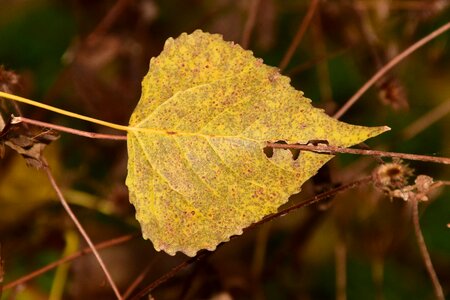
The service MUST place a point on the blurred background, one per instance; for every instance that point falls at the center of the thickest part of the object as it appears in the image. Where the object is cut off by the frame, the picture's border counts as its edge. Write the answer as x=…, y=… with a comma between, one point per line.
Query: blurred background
x=89, y=57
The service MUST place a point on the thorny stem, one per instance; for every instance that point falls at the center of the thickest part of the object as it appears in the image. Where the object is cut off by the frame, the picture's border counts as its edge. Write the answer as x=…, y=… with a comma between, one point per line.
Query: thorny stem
x=87, y=250
x=248, y=28
x=388, y=67
x=88, y=134
x=328, y=149
x=438, y=292
x=299, y=35
x=81, y=229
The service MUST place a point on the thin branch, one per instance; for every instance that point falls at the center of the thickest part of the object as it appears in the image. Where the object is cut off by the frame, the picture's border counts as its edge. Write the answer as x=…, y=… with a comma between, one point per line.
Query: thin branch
x=145, y=291
x=427, y=120
x=250, y=24
x=108, y=20
x=138, y=279
x=310, y=63
x=388, y=67
x=88, y=134
x=340, y=252
x=299, y=35
x=87, y=250
x=313, y=200
x=438, y=292
x=81, y=229
x=328, y=149
x=2, y=270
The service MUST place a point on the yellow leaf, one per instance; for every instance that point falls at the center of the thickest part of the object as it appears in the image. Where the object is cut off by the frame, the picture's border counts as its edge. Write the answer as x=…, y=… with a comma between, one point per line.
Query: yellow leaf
x=197, y=172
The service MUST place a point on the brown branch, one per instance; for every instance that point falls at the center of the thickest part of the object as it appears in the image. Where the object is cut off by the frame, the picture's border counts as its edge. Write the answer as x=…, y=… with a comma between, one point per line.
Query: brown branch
x=88, y=134
x=108, y=20
x=81, y=230
x=250, y=23
x=397, y=59
x=2, y=270
x=299, y=35
x=87, y=250
x=313, y=200
x=340, y=254
x=145, y=291
x=438, y=292
x=427, y=120
x=138, y=279
x=328, y=149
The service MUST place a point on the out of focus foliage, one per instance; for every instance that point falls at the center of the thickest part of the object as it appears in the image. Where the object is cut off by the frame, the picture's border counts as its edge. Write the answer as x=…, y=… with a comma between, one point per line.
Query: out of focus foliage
x=90, y=57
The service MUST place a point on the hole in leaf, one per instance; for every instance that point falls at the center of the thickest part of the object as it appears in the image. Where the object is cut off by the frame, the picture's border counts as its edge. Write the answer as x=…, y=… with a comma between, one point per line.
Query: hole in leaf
x=268, y=151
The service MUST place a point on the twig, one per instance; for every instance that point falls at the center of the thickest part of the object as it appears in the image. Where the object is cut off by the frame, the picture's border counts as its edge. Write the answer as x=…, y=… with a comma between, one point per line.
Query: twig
x=310, y=63
x=333, y=150
x=87, y=250
x=426, y=120
x=145, y=291
x=299, y=35
x=138, y=279
x=88, y=134
x=340, y=252
x=108, y=20
x=388, y=67
x=248, y=28
x=438, y=292
x=312, y=200
x=81, y=229
x=2, y=271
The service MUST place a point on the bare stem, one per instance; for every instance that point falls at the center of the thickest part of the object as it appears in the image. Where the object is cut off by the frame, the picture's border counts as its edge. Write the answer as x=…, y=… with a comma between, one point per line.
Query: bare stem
x=108, y=20
x=340, y=252
x=81, y=229
x=438, y=292
x=88, y=134
x=389, y=66
x=334, y=149
x=138, y=279
x=299, y=35
x=87, y=250
x=170, y=274
x=313, y=200
x=248, y=28
x=427, y=120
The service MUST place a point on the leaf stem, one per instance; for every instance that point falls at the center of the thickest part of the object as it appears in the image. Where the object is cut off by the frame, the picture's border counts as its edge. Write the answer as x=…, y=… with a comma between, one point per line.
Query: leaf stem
x=62, y=111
